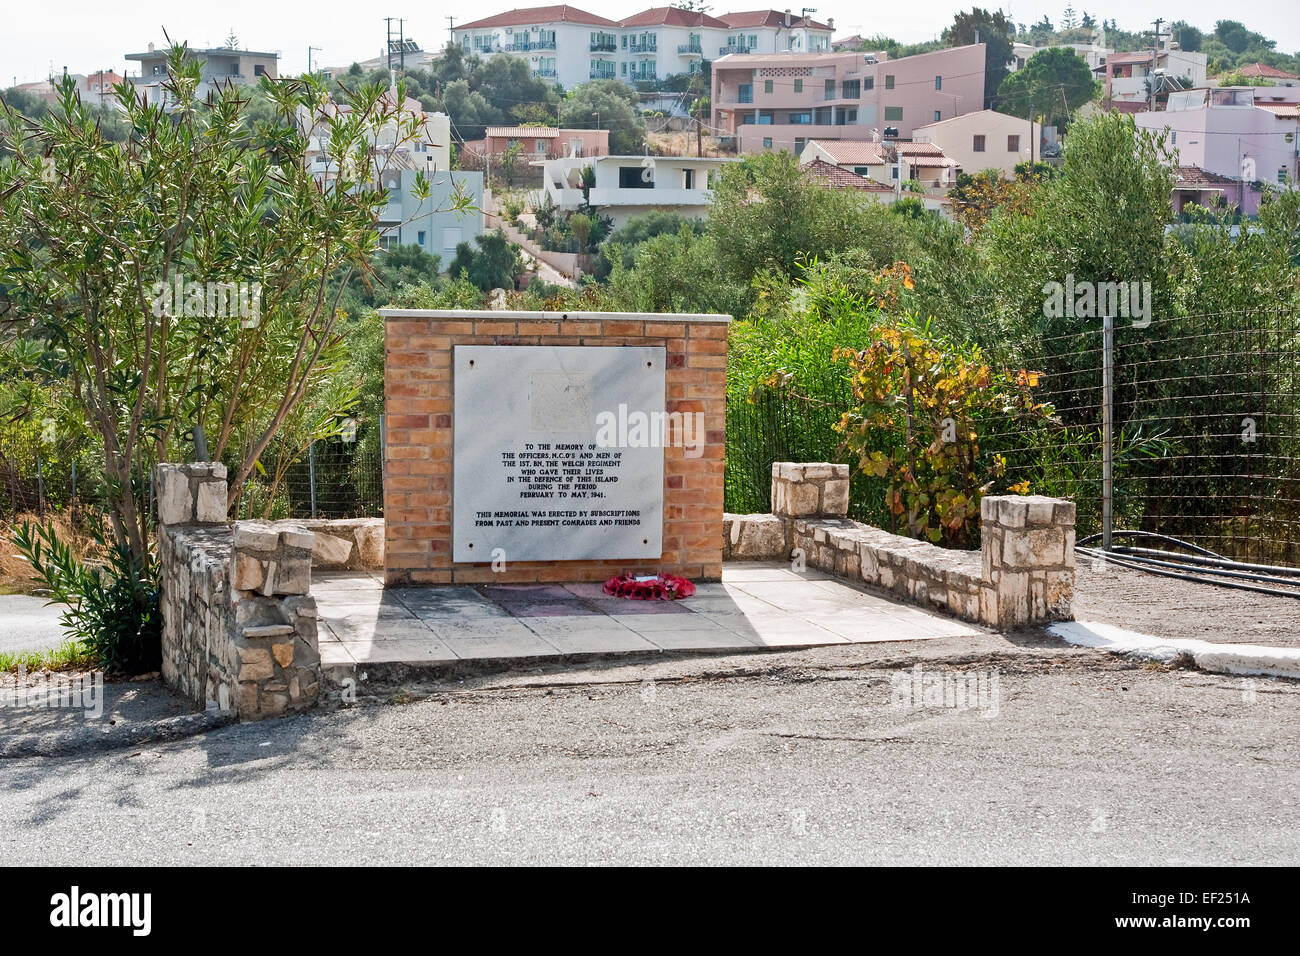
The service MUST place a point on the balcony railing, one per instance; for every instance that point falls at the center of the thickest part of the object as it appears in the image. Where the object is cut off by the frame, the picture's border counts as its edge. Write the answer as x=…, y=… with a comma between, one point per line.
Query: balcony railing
x=596, y=74
x=689, y=49
x=546, y=73
x=524, y=46
x=732, y=48
x=604, y=46
x=635, y=47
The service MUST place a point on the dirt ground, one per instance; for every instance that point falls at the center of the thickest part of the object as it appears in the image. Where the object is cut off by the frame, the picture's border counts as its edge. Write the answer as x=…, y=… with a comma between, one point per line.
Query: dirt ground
x=1168, y=607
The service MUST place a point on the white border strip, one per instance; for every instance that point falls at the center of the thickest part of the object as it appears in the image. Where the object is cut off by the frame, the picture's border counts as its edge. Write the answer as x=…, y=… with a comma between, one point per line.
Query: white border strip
x=1218, y=658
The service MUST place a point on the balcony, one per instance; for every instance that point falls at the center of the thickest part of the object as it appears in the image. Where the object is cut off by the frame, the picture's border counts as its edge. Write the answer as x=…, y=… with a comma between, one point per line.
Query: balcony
x=526, y=46
x=598, y=74
x=604, y=46
x=546, y=73
x=642, y=48
x=729, y=49
x=689, y=49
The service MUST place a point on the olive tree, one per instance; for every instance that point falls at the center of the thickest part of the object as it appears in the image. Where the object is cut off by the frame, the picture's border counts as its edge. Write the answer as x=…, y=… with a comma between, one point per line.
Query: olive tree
x=190, y=275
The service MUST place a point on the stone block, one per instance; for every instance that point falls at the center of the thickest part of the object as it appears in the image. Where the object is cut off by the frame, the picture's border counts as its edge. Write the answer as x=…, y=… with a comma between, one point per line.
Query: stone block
x=255, y=536
x=255, y=664
x=835, y=497
x=249, y=572
x=370, y=544
x=172, y=488
x=330, y=550
x=210, y=505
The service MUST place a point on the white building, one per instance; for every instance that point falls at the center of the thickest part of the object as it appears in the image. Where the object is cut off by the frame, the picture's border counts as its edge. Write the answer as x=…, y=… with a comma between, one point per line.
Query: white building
x=1094, y=54
x=1129, y=77
x=628, y=186
x=561, y=43
x=774, y=31
x=432, y=223
x=569, y=46
x=220, y=65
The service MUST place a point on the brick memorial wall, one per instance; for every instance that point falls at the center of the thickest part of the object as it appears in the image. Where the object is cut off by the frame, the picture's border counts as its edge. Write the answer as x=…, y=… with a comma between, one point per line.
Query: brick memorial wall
x=421, y=459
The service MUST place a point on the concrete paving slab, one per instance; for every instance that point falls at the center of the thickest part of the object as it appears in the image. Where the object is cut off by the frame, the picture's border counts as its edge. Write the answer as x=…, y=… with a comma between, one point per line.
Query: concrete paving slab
x=421, y=650
x=755, y=606
x=503, y=648
x=605, y=641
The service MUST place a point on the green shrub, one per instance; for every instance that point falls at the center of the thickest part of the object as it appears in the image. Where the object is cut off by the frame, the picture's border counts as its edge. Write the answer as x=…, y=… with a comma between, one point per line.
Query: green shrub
x=112, y=610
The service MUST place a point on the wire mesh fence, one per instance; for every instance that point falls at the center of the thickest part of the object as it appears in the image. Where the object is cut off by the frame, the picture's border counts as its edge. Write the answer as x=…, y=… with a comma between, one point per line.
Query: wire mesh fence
x=1204, y=437
x=338, y=478
x=1205, y=431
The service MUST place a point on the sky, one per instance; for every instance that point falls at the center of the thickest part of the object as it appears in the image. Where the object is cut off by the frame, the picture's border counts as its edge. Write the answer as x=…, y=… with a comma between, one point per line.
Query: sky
x=89, y=35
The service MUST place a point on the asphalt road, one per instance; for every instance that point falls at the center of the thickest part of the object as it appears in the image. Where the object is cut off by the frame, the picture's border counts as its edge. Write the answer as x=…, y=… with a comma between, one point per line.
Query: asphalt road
x=805, y=757
x=27, y=624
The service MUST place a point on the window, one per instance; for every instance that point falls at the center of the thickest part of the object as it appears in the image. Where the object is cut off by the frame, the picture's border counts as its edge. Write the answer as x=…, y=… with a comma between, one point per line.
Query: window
x=889, y=81
x=851, y=89
x=894, y=113
x=767, y=142
x=798, y=86
x=868, y=83
x=625, y=41
x=1013, y=144
x=688, y=179
x=767, y=86
x=799, y=143
x=978, y=144
x=1281, y=174
x=450, y=237
x=745, y=93
x=822, y=116
x=862, y=171
x=259, y=70
x=938, y=82
x=937, y=116
x=539, y=146
x=829, y=89
x=893, y=171
x=753, y=41
x=420, y=237
x=630, y=177
x=624, y=65
x=803, y=118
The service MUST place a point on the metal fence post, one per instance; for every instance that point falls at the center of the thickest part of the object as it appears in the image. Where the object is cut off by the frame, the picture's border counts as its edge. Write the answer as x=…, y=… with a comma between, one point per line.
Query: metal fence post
x=40, y=489
x=311, y=475
x=1107, y=425
x=383, y=460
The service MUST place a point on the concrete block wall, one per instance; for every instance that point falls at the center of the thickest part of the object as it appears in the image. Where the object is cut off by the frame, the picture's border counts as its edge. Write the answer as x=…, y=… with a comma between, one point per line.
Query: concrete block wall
x=420, y=428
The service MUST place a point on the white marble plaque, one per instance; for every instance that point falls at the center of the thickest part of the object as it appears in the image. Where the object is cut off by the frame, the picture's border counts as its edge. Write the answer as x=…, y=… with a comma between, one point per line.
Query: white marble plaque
x=542, y=469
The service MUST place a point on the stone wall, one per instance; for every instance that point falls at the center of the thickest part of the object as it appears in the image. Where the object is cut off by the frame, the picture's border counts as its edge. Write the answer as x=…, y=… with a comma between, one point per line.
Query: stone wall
x=419, y=438
x=239, y=624
x=1023, y=573
x=346, y=544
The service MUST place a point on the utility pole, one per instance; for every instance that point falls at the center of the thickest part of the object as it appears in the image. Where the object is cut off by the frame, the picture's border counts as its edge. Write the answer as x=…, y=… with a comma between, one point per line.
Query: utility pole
x=1155, y=58
x=309, y=49
x=451, y=30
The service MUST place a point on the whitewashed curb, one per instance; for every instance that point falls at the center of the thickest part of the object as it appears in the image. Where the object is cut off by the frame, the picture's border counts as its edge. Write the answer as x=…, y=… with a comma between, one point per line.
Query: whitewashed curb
x=1218, y=658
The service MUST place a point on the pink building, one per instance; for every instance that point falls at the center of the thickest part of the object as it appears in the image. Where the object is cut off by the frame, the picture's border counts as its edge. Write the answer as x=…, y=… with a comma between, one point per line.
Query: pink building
x=1223, y=133
x=541, y=142
x=782, y=101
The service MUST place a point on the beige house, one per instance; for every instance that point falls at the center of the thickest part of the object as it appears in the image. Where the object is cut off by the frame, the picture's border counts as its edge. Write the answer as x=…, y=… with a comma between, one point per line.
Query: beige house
x=984, y=140
x=886, y=162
